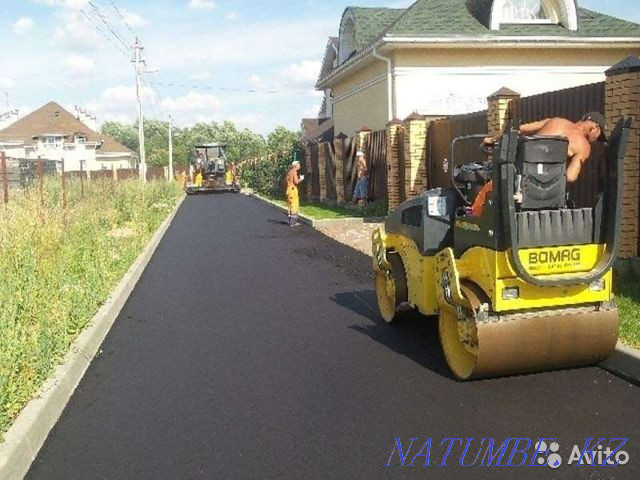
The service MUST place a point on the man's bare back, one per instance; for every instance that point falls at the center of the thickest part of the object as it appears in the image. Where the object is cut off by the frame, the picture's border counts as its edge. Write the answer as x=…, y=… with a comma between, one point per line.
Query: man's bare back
x=580, y=135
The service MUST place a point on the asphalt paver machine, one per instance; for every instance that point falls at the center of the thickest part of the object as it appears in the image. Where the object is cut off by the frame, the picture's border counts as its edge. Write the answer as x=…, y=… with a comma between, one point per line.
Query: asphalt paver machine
x=526, y=286
x=211, y=171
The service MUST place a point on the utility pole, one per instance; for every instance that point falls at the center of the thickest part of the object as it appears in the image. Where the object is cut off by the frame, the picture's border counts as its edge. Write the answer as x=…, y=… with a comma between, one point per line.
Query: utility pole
x=137, y=60
x=170, y=149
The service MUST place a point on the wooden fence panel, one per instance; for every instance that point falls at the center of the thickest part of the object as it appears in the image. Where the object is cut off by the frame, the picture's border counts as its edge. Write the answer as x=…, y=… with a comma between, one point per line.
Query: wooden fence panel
x=315, y=172
x=349, y=166
x=376, y=155
x=440, y=136
x=330, y=172
x=572, y=103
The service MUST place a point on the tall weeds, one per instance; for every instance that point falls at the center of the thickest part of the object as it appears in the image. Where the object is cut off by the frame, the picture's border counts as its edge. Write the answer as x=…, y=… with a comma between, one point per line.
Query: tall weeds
x=57, y=267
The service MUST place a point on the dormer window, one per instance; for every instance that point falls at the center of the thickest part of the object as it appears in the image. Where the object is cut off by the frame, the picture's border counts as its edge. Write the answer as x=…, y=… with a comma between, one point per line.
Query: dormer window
x=347, y=43
x=81, y=139
x=556, y=12
x=525, y=11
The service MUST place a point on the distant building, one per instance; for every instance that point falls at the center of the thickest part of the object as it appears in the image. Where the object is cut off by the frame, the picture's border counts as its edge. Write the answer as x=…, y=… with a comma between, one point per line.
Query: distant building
x=444, y=57
x=53, y=133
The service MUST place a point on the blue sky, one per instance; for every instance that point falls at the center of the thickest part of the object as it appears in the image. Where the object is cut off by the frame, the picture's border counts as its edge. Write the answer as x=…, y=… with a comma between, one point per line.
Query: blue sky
x=50, y=51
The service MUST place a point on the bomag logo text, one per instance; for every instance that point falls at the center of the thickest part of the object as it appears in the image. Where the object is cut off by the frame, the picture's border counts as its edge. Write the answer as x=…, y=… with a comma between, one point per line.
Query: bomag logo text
x=546, y=257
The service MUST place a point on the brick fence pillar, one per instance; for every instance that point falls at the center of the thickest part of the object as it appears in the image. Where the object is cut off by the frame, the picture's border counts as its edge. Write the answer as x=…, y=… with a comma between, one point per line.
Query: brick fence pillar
x=339, y=149
x=393, y=177
x=415, y=148
x=502, y=105
x=323, y=158
x=622, y=99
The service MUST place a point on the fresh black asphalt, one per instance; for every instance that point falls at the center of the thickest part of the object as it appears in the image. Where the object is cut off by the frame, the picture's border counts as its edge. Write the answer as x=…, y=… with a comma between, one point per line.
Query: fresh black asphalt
x=251, y=350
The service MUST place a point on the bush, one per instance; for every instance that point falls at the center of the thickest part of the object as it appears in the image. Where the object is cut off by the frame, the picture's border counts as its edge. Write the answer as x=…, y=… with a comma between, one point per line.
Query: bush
x=379, y=208
x=267, y=175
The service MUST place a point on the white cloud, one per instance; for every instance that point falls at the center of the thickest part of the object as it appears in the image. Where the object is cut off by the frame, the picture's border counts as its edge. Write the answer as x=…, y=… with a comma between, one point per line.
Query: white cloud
x=192, y=102
x=306, y=71
x=252, y=121
x=201, y=76
x=72, y=4
x=23, y=25
x=233, y=15
x=256, y=81
x=79, y=65
x=202, y=5
x=74, y=32
x=6, y=82
x=133, y=19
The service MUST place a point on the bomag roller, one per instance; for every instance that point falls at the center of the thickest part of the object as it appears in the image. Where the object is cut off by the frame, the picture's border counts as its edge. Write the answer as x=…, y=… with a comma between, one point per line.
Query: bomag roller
x=527, y=285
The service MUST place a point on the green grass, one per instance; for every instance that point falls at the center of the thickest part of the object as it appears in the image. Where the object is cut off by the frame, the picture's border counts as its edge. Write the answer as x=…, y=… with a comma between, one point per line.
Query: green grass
x=322, y=211
x=58, y=267
x=628, y=299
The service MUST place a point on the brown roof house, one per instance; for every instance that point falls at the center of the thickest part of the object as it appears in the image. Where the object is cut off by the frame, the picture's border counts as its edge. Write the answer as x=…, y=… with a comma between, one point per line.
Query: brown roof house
x=53, y=133
x=444, y=57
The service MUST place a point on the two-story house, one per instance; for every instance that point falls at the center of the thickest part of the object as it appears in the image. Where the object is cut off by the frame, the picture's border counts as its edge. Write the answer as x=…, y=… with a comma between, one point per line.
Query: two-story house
x=53, y=133
x=444, y=57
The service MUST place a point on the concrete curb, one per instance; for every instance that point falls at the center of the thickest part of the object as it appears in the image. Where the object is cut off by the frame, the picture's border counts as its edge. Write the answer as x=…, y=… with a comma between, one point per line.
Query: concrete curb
x=624, y=363
x=31, y=429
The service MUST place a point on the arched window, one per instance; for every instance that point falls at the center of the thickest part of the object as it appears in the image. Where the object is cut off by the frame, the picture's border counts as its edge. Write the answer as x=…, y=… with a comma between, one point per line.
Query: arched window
x=561, y=12
x=524, y=11
x=347, y=44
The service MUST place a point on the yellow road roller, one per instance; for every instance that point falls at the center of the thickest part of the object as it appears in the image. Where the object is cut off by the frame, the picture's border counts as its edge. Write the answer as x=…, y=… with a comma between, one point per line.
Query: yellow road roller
x=523, y=287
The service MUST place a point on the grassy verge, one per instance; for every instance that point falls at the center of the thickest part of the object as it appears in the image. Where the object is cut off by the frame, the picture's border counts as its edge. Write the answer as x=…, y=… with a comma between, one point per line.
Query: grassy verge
x=321, y=211
x=628, y=299
x=58, y=267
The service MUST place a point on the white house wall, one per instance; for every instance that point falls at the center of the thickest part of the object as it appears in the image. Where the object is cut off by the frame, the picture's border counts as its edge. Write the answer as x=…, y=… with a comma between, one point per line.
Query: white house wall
x=72, y=157
x=456, y=90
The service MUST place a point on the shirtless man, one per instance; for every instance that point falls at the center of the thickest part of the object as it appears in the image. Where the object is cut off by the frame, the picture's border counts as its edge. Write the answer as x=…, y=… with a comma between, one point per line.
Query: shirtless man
x=292, y=181
x=362, y=184
x=581, y=135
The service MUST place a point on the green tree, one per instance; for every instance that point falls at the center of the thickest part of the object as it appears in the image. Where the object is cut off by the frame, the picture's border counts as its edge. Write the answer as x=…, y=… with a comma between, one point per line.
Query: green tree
x=282, y=141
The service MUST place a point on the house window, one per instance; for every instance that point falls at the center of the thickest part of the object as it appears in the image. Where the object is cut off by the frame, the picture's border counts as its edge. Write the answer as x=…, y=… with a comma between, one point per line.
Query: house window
x=52, y=142
x=347, y=43
x=525, y=11
x=81, y=140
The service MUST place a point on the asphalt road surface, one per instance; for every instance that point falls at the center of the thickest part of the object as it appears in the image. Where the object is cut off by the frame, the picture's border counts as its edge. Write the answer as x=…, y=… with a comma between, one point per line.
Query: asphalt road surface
x=251, y=350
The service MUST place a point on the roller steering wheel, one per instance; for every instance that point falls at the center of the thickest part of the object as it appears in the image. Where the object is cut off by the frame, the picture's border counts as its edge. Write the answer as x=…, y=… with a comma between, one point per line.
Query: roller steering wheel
x=486, y=148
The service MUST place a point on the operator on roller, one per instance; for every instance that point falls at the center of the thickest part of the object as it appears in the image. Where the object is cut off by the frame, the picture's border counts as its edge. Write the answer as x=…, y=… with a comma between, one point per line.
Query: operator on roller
x=291, y=193
x=581, y=136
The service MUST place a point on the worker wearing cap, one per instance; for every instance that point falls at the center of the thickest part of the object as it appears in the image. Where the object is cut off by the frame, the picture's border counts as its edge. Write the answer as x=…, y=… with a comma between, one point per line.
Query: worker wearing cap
x=581, y=135
x=361, y=191
x=292, y=181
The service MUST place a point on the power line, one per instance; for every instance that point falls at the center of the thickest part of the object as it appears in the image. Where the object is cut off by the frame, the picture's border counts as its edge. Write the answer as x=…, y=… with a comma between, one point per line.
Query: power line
x=123, y=18
x=109, y=27
x=116, y=46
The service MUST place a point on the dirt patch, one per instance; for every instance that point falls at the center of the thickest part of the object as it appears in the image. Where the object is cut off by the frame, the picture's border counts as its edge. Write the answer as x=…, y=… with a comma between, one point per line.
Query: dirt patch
x=357, y=236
